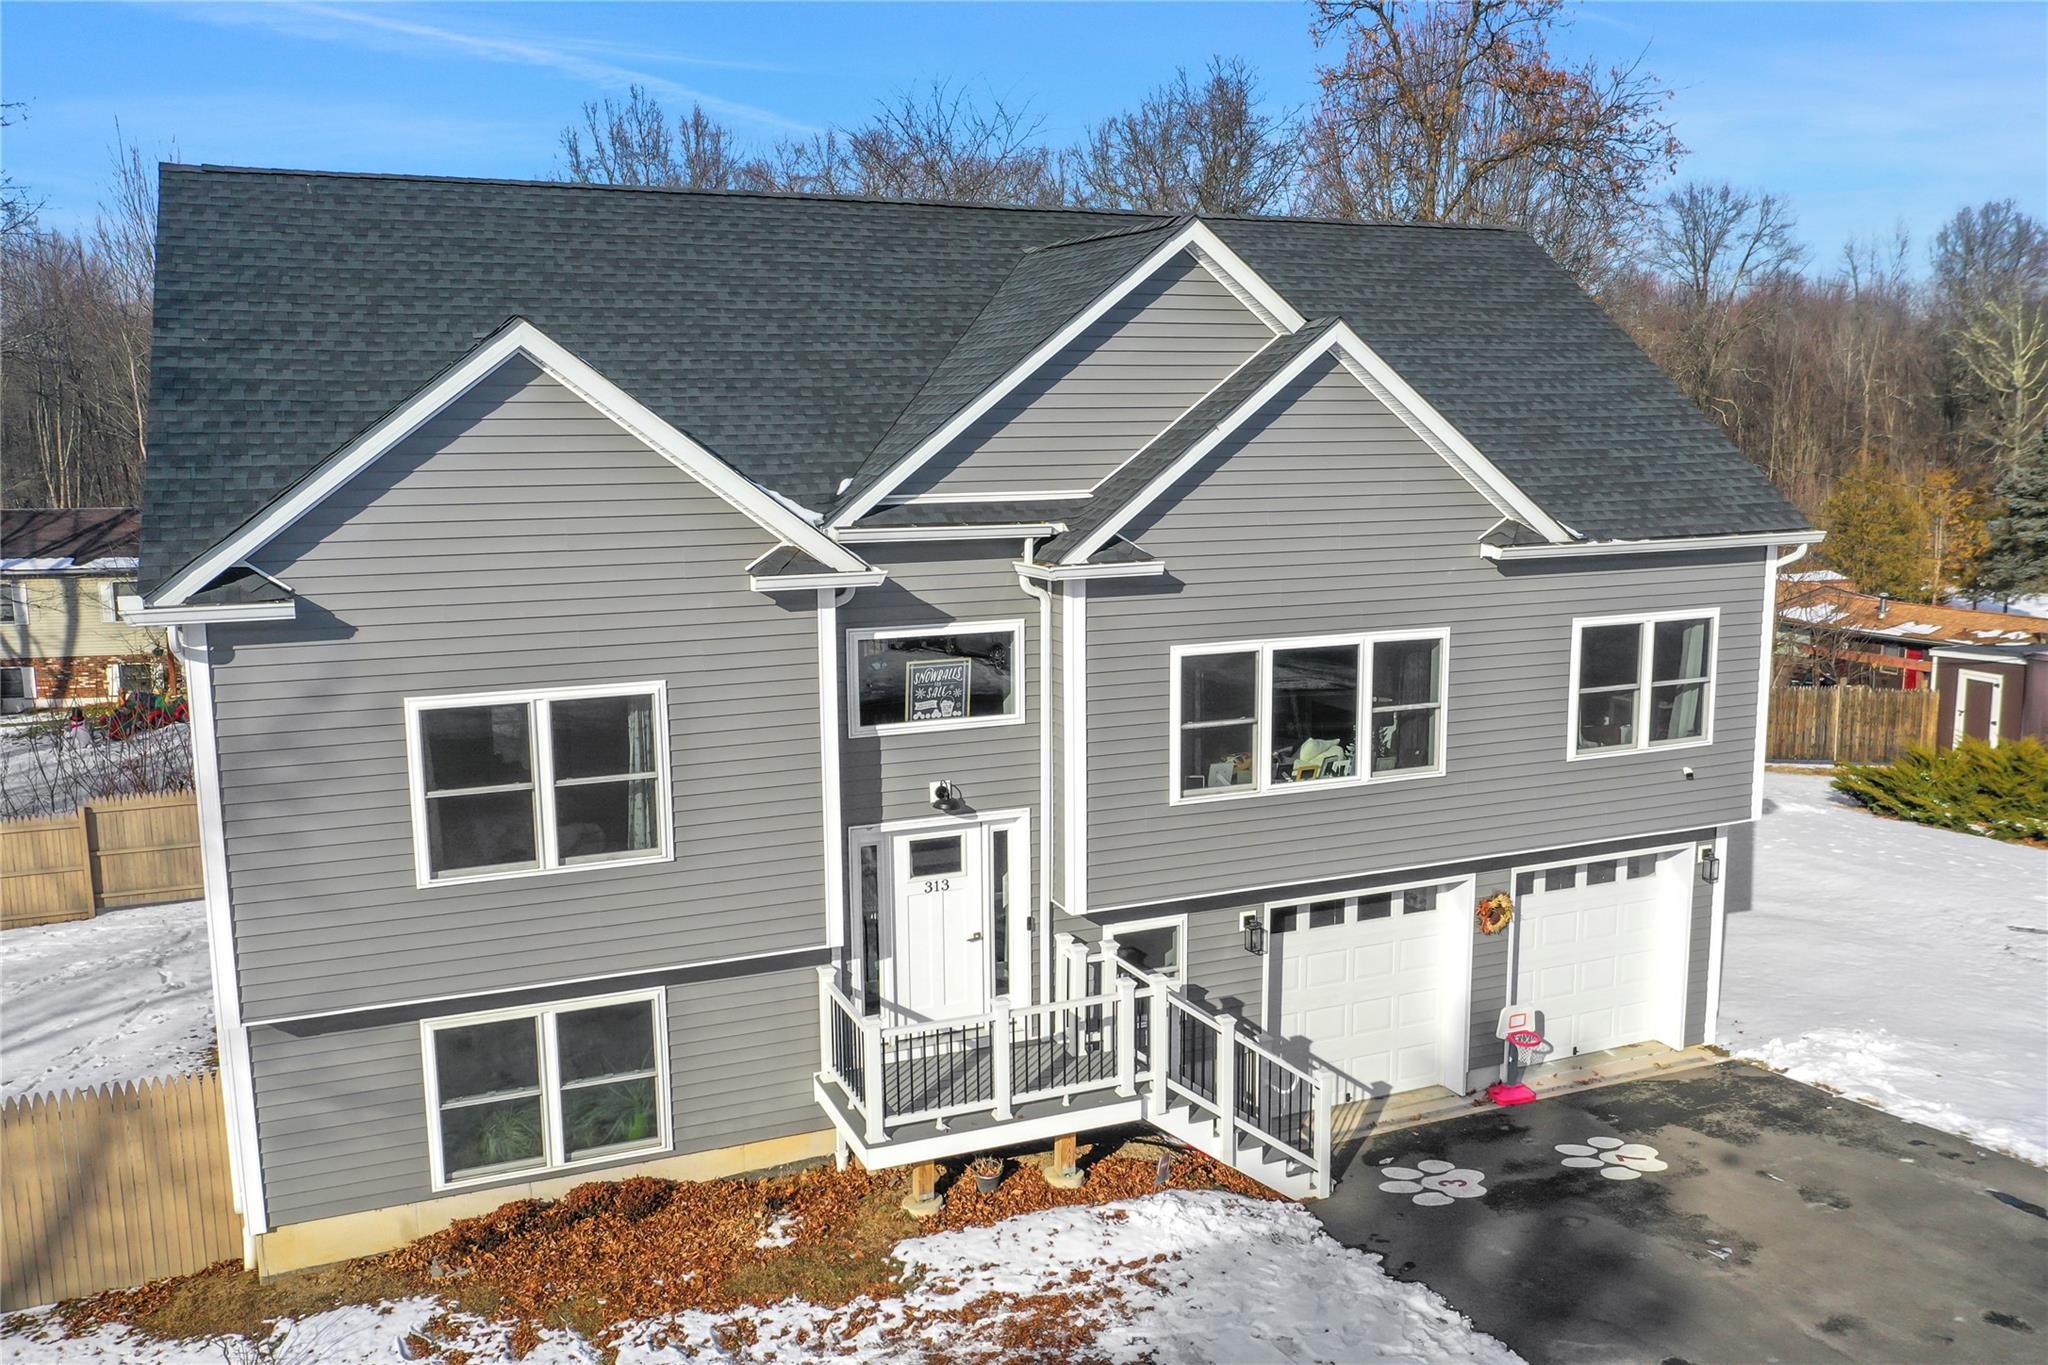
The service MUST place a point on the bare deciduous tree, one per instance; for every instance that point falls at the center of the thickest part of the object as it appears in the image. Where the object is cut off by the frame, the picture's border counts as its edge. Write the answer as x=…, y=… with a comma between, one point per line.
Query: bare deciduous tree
x=634, y=144
x=942, y=144
x=1457, y=112
x=1725, y=252
x=1991, y=280
x=1188, y=147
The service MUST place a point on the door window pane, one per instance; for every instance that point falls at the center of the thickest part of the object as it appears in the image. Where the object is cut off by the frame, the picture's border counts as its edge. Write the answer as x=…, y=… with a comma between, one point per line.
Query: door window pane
x=999, y=907
x=934, y=857
x=1377, y=906
x=1325, y=914
x=907, y=680
x=1218, y=720
x=1315, y=713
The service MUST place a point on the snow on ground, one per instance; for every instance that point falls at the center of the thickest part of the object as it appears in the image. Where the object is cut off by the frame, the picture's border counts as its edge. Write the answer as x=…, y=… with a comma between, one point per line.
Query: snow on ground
x=1185, y=1276
x=120, y=996
x=1901, y=965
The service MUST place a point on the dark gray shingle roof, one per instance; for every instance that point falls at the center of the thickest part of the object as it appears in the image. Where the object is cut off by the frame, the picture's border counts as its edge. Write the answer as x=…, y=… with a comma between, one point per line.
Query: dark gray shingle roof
x=793, y=336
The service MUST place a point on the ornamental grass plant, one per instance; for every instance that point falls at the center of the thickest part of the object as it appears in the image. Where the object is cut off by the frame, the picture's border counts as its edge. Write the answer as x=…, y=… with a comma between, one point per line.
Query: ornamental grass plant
x=1973, y=788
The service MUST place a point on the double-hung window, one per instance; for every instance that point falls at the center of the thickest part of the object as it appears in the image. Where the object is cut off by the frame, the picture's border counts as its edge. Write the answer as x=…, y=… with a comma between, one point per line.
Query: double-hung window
x=523, y=782
x=1287, y=714
x=1642, y=682
x=541, y=1088
x=921, y=677
x=13, y=604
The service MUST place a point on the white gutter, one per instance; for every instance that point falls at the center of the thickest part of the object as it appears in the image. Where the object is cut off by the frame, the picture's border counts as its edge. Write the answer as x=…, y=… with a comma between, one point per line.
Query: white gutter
x=135, y=614
x=1066, y=573
x=818, y=582
x=1582, y=549
x=861, y=535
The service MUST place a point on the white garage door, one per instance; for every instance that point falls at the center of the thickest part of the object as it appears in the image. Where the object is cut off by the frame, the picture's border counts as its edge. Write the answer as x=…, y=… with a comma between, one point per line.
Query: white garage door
x=1367, y=982
x=1600, y=951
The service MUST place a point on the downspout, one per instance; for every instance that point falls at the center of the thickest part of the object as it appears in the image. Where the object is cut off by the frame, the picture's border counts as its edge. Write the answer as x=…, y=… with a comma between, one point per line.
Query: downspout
x=829, y=602
x=1042, y=935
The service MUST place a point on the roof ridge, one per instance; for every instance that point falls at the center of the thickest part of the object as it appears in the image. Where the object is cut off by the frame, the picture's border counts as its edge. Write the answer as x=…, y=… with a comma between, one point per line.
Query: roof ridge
x=1161, y=225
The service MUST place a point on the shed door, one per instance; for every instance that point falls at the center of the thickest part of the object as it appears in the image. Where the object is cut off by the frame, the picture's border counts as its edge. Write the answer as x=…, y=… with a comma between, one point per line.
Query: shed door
x=1981, y=699
x=1600, y=951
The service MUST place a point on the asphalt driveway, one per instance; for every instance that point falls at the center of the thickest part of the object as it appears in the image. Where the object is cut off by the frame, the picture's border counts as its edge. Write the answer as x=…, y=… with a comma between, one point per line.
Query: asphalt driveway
x=1727, y=1214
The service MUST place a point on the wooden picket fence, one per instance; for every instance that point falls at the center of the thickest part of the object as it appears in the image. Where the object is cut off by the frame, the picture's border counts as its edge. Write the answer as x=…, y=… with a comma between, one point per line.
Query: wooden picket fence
x=1849, y=724
x=113, y=1186
x=133, y=850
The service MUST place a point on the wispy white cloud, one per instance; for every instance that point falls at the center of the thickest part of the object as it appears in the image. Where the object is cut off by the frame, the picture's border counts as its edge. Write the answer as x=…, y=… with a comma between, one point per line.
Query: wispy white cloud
x=593, y=61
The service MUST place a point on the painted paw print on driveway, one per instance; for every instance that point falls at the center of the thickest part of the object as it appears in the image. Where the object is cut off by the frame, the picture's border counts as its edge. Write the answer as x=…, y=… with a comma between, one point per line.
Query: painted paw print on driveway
x=1613, y=1158
x=1433, y=1183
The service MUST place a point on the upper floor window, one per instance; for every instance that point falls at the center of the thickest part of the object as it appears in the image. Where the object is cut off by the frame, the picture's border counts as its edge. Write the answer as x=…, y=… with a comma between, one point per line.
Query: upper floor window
x=1642, y=682
x=544, y=1087
x=13, y=604
x=1287, y=714
x=523, y=782
x=924, y=676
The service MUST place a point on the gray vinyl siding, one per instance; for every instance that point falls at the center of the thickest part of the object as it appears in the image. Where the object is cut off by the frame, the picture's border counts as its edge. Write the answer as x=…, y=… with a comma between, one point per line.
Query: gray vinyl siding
x=888, y=777
x=341, y=1105
x=1327, y=514
x=1115, y=386
x=520, y=539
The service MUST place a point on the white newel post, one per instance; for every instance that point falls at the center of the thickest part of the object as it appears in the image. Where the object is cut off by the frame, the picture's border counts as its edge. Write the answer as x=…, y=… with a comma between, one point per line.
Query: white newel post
x=1226, y=1083
x=1126, y=1036
x=1162, y=1046
x=873, y=1082
x=1000, y=1058
x=1325, y=1120
x=826, y=1064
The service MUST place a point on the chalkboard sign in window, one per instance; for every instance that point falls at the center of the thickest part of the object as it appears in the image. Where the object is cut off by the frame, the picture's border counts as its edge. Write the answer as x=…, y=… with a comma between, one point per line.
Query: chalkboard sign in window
x=934, y=677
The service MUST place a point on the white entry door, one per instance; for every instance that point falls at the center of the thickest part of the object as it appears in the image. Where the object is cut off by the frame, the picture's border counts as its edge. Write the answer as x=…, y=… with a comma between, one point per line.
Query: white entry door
x=937, y=945
x=1600, y=951
x=1980, y=702
x=1369, y=983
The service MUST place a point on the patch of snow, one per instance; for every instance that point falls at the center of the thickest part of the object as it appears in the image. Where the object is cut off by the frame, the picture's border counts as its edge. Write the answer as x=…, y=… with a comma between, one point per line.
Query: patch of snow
x=70, y=564
x=781, y=1232
x=1187, y=1276
x=1901, y=965
x=124, y=995
x=1814, y=576
x=1915, y=628
x=1816, y=614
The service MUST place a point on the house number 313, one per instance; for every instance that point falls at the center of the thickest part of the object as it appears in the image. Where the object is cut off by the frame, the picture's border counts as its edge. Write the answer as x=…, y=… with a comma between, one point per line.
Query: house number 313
x=938, y=884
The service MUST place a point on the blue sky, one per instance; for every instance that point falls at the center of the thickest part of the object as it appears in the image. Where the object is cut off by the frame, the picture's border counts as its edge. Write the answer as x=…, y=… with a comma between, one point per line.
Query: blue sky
x=1864, y=114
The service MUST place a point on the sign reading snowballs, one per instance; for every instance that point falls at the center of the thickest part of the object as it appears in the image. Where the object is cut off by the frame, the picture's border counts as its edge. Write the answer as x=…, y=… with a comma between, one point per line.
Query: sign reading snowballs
x=1613, y=1158
x=1433, y=1183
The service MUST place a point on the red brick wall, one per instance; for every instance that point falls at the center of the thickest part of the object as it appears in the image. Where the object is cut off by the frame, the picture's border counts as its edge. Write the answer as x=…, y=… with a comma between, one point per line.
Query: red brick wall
x=72, y=681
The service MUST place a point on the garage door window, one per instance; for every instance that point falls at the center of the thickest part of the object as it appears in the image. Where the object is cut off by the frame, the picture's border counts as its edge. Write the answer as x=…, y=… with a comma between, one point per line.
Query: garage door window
x=1642, y=683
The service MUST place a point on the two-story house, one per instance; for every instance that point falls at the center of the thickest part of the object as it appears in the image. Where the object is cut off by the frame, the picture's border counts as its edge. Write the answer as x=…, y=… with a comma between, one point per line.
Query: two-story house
x=685, y=682
x=62, y=640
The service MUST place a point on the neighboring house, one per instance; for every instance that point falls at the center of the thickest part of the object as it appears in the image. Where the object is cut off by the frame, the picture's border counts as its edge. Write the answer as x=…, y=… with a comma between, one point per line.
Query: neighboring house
x=1994, y=693
x=1832, y=631
x=62, y=642
x=687, y=682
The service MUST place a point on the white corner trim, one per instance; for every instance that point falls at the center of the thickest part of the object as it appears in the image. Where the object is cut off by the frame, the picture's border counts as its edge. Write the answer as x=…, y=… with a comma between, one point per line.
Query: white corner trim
x=1041, y=900
x=518, y=337
x=1069, y=573
x=1074, y=657
x=828, y=767
x=1717, y=937
x=231, y=1038
x=1211, y=253
x=1584, y=549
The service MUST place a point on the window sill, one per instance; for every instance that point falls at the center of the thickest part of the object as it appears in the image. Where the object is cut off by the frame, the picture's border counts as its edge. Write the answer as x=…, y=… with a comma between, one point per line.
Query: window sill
x=922, y=727
x=517, y=874
x=1220, y=795
x=1624, y=751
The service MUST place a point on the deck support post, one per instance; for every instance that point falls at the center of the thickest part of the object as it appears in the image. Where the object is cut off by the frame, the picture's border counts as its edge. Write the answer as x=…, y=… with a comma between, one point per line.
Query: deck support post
x=825, y=1030
x=1162, y=1041
x=923, y=1200
x=873, y=1084
x=1000, y=1061
x=1126, y=1036
x=1226, y=1084
x=1065, y=1171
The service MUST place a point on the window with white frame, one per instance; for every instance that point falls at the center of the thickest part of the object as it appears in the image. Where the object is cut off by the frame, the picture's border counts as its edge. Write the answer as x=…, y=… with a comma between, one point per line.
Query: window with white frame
x=1158, y=946
x=922, y=676
x=1284, y=714
x=17, y=684
x=1642, y=682
x=13, y=604
x=545, y=1087
x=134, y=677
x=538, y=781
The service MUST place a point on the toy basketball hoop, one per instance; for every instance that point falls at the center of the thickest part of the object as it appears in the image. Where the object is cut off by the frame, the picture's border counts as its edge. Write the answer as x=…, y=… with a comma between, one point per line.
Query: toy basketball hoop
x=1516, y=1028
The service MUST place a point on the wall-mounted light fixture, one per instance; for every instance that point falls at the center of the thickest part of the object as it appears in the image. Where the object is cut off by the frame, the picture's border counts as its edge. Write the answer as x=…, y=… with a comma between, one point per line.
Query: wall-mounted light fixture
x=946, y=796
x=1254, y=933
x=1710, y=866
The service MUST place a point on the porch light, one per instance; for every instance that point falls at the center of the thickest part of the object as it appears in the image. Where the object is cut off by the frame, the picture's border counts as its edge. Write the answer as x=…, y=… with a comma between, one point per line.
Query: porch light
x=1710, y=866
x=1254, y=933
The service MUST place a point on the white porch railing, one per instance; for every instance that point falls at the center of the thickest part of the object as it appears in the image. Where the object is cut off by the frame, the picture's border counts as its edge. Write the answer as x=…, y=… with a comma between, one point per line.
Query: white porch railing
x=1139, y=1036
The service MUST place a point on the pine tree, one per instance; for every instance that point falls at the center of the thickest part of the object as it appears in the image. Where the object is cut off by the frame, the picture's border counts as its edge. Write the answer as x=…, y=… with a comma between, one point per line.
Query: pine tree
x=2016, y=564
x=1877, y=530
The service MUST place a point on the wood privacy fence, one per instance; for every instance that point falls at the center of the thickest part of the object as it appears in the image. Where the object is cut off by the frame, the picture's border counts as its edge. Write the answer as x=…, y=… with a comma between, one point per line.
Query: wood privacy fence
x=1849, y=724
x=129, y=850
x=111, y=1187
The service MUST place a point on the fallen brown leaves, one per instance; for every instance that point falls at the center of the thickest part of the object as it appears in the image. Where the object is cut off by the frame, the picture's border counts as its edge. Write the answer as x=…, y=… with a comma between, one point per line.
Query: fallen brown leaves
x=607, y=1253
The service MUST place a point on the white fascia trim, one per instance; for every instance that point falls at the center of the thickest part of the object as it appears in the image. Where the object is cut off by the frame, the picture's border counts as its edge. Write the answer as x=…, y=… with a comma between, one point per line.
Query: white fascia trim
x=1006, y=495
x=817, y=582
x=1251, y=289
x=518, y=337
x=135, y=613
x=862, y=535
x=231, y=1037
x=1583, y=549
x=1969, y=654
x=1214, y=257
x=1068, y=573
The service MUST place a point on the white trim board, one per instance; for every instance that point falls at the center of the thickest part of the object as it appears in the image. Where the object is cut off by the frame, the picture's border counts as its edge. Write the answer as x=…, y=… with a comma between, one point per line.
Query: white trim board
x=1587, y=549
x=862, y=535
x=1363, y=364
x=518, y=337
x=1209, y=251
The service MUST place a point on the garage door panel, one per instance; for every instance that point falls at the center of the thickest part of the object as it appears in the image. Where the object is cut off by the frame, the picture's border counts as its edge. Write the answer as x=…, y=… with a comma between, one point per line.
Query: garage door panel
x=1597, y=958
x=1366, y=1016
x=1369, y=998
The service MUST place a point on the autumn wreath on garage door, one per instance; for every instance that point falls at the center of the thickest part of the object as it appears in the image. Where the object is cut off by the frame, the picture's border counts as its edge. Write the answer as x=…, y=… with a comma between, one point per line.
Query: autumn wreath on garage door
x=1495, y=912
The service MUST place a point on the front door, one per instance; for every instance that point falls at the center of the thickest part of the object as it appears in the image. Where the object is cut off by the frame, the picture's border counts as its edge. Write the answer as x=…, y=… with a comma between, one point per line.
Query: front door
x=937, y=949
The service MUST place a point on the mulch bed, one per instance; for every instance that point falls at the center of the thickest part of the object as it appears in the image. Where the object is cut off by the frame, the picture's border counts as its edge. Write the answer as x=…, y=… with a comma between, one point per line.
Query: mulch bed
x=607, y=1253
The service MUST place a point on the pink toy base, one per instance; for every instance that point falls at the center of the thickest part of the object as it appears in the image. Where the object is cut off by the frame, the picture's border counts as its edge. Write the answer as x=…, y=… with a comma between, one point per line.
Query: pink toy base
x=1510, y=1094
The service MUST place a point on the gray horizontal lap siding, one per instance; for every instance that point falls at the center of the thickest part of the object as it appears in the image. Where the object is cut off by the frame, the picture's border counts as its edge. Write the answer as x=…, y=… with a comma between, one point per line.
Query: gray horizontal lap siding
x=341, y=1106
x=1120, y=382
x=518, y=540
x=886, y=778
x=1325, y=514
